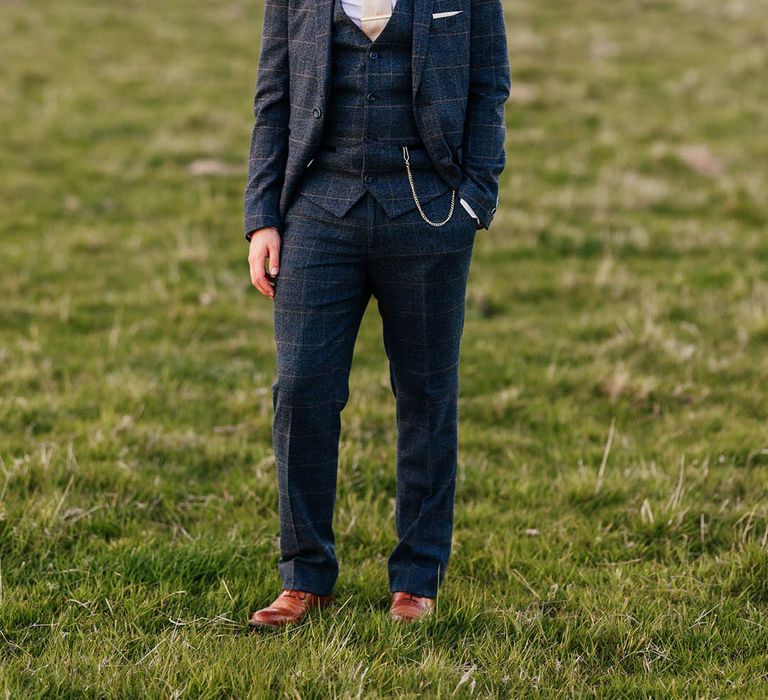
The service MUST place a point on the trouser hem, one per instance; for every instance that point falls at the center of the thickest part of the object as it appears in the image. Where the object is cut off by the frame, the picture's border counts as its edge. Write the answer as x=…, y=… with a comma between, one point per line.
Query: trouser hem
x=308, y=581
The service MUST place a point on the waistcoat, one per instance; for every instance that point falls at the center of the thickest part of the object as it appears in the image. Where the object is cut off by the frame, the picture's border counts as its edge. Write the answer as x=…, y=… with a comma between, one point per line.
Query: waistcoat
x=369, y=119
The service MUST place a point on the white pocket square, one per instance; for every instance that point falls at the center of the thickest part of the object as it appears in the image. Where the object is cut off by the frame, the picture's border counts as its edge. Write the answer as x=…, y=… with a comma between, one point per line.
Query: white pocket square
x=439, y=15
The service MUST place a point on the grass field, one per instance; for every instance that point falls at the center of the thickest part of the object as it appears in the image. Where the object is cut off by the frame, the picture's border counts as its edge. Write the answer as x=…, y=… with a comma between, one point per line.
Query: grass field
x=612, y=524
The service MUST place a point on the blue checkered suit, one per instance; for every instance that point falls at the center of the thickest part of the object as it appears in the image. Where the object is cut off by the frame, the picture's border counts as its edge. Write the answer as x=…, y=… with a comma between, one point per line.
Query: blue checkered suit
x=327, y=171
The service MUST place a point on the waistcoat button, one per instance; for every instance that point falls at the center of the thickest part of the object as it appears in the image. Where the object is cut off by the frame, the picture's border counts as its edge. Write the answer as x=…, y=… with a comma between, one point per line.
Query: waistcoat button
x=317, y=112
x=370, y=97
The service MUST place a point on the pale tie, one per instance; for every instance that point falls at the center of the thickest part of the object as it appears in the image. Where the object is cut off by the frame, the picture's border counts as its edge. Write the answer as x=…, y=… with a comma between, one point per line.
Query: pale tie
x=375, y=15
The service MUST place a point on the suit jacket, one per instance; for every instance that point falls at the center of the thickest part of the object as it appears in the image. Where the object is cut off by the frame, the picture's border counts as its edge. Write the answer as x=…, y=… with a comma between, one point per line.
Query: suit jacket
x=460, y=84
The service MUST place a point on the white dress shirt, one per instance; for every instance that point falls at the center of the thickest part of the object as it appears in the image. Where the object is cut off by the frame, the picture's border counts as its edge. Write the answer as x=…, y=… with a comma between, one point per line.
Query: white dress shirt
x=354, y=10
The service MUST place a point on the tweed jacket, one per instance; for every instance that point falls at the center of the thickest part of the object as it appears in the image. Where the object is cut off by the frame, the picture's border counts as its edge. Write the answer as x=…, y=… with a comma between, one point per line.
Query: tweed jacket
x=460, y=79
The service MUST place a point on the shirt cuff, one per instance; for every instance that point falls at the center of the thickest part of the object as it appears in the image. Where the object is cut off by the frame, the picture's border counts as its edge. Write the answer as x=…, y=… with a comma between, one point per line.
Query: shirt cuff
x=469, y=209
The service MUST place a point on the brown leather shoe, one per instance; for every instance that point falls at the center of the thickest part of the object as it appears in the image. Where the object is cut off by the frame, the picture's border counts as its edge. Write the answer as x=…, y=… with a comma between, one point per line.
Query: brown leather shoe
x=409, y=608
x=290, y=606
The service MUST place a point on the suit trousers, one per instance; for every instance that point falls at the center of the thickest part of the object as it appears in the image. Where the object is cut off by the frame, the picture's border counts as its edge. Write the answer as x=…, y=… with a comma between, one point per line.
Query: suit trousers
x=329, y=268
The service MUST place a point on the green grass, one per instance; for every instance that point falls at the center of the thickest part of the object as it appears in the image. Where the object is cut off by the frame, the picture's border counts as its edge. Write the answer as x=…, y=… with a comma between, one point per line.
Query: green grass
x=617, y=316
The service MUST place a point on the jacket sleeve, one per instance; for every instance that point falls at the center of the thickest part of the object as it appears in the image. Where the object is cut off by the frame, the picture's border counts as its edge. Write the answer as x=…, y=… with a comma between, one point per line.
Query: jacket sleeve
x=485, y=129
x=271, y=110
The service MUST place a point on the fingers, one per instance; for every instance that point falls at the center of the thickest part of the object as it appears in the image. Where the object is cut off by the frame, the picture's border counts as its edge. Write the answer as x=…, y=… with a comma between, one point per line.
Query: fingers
x=256, y=260
x=265, y=246
x=273, y=248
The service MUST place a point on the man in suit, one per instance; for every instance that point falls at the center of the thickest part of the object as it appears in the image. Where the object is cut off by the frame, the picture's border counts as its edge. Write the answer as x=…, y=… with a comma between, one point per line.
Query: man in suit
x=375, y=156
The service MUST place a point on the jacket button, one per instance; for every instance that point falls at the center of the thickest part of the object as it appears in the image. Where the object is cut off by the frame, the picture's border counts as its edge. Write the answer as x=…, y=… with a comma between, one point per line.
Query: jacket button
x=317, y=112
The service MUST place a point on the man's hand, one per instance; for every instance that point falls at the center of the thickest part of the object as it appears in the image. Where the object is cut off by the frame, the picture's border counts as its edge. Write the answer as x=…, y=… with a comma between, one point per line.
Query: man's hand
x=264, y=250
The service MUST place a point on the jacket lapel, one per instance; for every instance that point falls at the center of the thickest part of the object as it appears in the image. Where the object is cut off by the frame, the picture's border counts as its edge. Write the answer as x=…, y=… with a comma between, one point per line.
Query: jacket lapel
x=323, y=36
x=422, y=20
x=422, y=17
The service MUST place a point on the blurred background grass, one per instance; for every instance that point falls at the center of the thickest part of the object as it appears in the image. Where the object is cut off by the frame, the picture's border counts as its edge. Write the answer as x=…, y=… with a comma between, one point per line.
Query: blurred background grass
x=611, y=518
